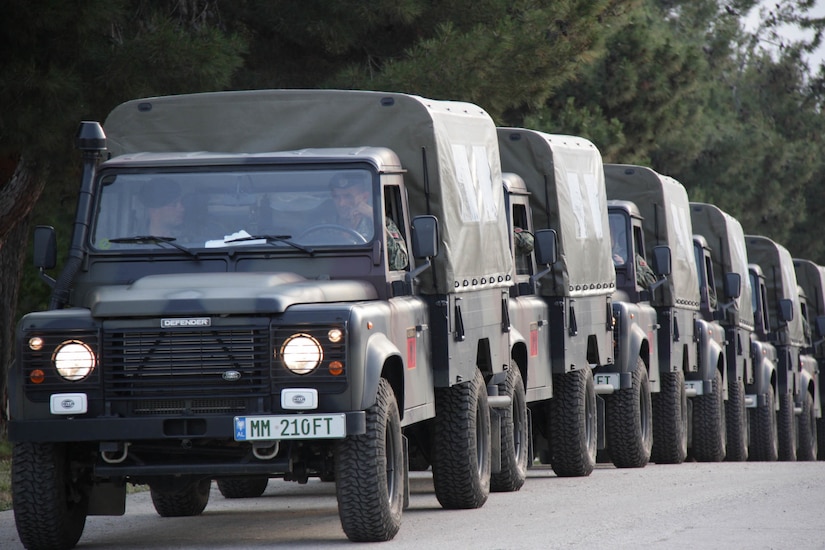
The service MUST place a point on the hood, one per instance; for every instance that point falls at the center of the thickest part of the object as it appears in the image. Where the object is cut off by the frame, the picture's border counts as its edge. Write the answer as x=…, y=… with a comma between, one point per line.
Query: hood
x=221, y=293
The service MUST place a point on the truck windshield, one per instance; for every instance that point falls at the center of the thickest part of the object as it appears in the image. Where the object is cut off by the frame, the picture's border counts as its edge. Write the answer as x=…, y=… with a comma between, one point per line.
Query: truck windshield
x=288, y=209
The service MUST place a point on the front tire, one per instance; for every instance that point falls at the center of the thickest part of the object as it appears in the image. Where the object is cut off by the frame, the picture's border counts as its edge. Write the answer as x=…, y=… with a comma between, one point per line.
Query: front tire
x=514, y=435
x=187, y=501
x=764, y=442
x=807, y=430
x=369, y=473
x=787, y=428
x=736, y=420
x=670, y=420
x=629, y=422
x=709, y=437
x=462, y=445
x=573, y=436
x=50, y=506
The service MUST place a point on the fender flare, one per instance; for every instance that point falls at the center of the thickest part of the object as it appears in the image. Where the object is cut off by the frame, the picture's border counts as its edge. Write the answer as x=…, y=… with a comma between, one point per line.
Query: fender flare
x=710, y=352
x=379, y=351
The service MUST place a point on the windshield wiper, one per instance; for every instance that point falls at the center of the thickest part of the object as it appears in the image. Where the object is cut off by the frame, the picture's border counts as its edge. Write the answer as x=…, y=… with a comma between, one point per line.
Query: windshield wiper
x=153, y=239
x=273, y=239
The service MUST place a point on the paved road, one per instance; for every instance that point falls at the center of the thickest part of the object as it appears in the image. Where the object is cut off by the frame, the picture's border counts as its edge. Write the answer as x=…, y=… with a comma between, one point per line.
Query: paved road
x=697, y=506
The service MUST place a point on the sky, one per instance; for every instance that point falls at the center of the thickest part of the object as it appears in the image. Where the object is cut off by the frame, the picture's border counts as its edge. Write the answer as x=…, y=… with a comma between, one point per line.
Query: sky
x=792, y=33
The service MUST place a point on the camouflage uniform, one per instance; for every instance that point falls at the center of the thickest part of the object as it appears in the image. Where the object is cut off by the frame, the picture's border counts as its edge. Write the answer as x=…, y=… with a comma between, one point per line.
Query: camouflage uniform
x=397, y=257
x=644, y=275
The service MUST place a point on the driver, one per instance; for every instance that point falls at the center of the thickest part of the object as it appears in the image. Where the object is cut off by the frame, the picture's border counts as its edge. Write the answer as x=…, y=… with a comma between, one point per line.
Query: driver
x=164, y=207
x=351, y=195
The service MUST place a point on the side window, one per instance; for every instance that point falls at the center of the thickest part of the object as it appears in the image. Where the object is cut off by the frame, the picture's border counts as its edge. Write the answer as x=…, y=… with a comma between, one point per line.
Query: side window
x=397, y=256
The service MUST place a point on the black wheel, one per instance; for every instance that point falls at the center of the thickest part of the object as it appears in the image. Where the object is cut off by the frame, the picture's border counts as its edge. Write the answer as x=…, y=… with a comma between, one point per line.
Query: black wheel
x=629, y=422
x=736, y=421
x=514, y=434
x=462, y=445
x=352, y=236
x=820, y=438
x=670, y=420
x=369, y=473
x=50, y=505
x=189, y=500
x=787, y=428
x=807, y=430
x=764, y=444
x=573, y=436
x=242, y=487
x=709, y=433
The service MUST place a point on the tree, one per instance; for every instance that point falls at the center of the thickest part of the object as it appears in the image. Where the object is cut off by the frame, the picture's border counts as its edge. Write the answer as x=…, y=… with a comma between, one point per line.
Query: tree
x=64, y=62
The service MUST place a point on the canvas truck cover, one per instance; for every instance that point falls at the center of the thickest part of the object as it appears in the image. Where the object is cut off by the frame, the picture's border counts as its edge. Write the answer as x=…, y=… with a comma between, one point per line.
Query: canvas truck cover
x=726, y=240
x=780, y=280
x=449, y=150
x=565, y=179
x=811, y=277
x=663, y=203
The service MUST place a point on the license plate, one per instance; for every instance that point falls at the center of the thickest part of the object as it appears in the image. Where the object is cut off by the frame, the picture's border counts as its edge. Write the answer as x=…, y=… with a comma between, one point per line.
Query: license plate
x=297, y=426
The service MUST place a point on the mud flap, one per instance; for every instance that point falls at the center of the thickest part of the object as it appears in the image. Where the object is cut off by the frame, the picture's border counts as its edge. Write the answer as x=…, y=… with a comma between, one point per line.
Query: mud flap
x=496, y=403
x=601, y=441
x=405, y=447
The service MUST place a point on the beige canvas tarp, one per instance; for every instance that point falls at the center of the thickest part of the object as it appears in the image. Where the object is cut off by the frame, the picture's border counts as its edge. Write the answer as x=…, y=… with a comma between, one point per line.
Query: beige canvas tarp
x=663, y=203
x=780, y=280
x=460, y=183
x=726, y=240
x=565, y=179
x=811, y=277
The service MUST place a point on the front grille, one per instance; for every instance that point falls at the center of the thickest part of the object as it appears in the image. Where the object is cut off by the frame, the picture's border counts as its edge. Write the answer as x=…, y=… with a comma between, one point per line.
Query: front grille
x=166, y=369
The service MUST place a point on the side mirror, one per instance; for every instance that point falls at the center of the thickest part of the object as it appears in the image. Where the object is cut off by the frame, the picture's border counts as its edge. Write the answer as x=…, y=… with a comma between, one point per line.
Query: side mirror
x=546, y=246
x=45, y=247
x=733, y=285
x=425, y=236
x=661, y=260
x=786, y=310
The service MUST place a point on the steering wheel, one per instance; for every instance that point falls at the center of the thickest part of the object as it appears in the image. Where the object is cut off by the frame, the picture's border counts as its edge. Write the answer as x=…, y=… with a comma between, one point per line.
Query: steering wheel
x=356, y=237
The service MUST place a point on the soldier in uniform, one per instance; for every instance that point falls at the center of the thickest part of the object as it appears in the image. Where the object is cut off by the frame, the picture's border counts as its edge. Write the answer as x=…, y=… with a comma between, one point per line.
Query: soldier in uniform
x=351, y=195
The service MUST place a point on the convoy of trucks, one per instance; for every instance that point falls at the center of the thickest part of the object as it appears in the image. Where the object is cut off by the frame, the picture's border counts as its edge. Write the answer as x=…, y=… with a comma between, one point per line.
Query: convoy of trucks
x=348, y=285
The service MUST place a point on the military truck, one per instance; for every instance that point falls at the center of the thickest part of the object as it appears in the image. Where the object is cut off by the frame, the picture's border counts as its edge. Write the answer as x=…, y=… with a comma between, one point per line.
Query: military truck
x=750, y=362
x=262, y=333
x=811, y=278
x=797, y=378
x=690, y=349
x=561, y=304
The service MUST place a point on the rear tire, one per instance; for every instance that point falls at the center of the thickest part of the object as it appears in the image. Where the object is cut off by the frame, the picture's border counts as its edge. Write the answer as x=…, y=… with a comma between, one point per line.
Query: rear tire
x=763, y=431
x=807, y=430
x=670, y=420
x=787, y=428
x=820, y=438
x=709, y=437
x=736, y=420
x=629, y=422
x=573, y=436
x=461, y=456
x=242, y=487
x=514, y=435
x=369, y=473
x=188, y=501
x=49, y=507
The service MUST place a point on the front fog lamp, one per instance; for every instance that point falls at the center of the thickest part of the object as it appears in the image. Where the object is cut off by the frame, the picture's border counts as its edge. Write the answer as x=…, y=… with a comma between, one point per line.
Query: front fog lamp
x=74, y=360
x=301, y=353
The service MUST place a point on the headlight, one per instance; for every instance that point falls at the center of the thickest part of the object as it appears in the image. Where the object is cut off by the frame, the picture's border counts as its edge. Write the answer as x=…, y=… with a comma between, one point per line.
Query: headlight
x=74, y=360
x=301, y=353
